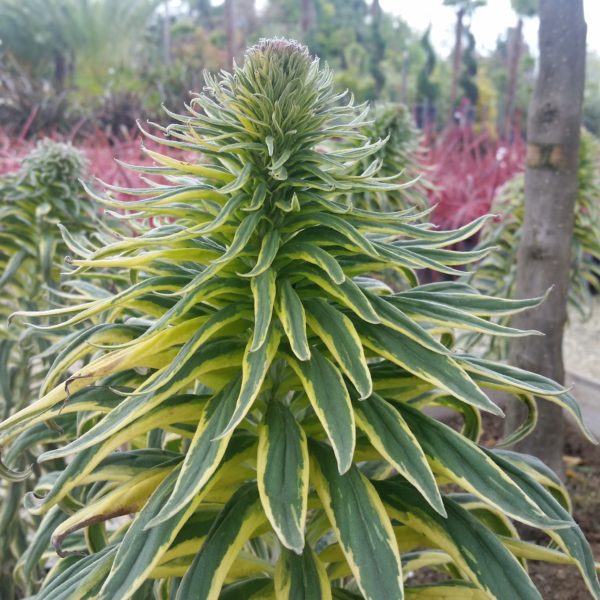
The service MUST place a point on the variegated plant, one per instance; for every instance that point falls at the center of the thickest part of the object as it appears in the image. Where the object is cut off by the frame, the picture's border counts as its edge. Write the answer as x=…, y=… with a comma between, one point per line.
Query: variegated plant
x=45, y=192
x=398, y=157
x=254, y=398
x=32, y=201
x=496, y=274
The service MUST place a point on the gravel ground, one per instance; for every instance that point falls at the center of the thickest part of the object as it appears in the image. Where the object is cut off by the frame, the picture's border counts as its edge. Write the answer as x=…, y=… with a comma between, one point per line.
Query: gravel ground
x=581, y=346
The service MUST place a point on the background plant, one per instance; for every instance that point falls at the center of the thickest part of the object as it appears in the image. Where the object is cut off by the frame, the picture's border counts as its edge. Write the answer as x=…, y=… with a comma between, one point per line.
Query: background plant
x=496, y=274
x=253, y=351
x=400, y=155
x=466, y=169
x=45, y=192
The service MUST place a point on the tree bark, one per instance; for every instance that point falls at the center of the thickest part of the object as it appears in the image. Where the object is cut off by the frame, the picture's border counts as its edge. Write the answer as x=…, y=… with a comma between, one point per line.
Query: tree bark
x=550, y=189
x=456, y=62
x=60, y=71
x=515, y=59
x=404, y=78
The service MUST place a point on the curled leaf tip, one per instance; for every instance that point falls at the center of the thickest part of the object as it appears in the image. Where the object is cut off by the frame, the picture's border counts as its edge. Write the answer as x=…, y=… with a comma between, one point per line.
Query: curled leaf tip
x=12, y=475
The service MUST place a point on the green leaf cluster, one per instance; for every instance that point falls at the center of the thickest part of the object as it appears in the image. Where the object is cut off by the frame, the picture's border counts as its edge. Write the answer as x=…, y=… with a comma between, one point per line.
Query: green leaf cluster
x=399, y=158
x=46, y=192
x=254, y=398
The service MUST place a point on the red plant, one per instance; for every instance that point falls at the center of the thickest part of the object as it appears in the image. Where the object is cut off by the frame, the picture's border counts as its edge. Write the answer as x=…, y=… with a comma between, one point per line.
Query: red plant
x=466, y=169
x=100, y=149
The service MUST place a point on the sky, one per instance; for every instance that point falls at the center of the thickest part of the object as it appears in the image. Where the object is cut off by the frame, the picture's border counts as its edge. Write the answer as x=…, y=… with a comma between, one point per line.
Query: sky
x=488, y=22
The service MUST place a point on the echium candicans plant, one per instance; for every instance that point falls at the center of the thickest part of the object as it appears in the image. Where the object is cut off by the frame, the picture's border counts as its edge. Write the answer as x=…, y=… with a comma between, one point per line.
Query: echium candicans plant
x=256, y=404
x=399, y=157
x=44, y=192
x=496, y=274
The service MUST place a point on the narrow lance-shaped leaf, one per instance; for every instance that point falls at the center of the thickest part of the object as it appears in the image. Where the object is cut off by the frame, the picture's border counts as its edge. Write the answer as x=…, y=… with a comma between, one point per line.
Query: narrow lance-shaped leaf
x=438, y=369
x=314, y=255
x=301, y=577
x=264, y=290
x=254, y=370
x=339, y=336
x=477, y=552
x=510, y=378
x=570, y=539
x=268, y=252
x=468, y=466
x=204, y=454
x=361, y=524
x=213, y=355
x=144, y=544
x=232, y=529
x=282, y=474
x=347, y=293
x=393, y=439
x=330, y=400
x=293, y=319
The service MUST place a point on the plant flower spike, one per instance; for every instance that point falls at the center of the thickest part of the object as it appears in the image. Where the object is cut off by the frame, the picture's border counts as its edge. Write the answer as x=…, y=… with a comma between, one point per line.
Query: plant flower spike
x=253, y=400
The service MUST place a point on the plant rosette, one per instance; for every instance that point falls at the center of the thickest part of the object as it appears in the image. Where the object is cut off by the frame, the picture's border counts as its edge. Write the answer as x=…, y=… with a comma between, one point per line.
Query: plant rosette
x=256, y=399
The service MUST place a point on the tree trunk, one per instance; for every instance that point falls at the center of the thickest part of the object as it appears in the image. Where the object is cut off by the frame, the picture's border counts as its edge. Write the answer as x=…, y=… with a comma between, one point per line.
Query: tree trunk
x=404, y=78
x=515, y=59
x=230, y=31
x=550, y=189
x=60, y=71
x=456, y=62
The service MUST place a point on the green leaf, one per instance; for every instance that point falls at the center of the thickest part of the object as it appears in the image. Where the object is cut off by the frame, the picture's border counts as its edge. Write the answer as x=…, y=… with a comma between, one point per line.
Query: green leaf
x=467, y=465
x=475, y=550
x=317, y=256
x=148, y=538
x=248, y=589
x=204, y=454
x=445, y=590
x=301, y=577
x=394, y=318
x=38, y=545
x=264, y=290
x=211, y=356
x=507, y=377
x=361, y=525
x=258, y=198
x=470, y=301
x=339, y=336
x=240, y=517
x=393, y=439
x=348, y=293
x=255, y=366
x=267, y=254
x=293, y=319
x=330, y=400
x=282, y=474
x=439, y=369
x=241, y=237
x=439, y=312
x=81, y=579
x=337, y=224
x=570, y=539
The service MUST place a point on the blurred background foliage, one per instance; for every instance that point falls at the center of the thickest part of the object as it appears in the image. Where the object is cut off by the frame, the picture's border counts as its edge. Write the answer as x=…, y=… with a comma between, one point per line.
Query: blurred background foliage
x=75, y=71
x=71, y=64
x=74, y=63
